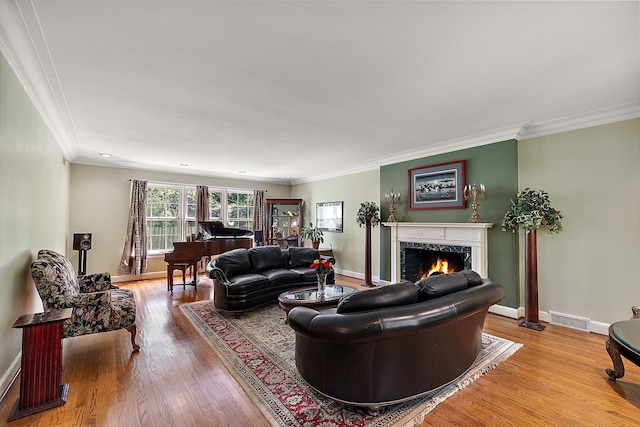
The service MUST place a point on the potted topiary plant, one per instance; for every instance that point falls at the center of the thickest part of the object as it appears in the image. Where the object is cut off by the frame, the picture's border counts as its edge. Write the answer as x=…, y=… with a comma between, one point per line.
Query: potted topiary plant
x=531, y=210
x=312, y=233
x=368, y=216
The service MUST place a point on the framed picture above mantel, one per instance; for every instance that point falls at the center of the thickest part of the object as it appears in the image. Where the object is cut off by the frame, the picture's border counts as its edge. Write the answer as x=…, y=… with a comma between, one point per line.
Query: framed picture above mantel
x=437, y=186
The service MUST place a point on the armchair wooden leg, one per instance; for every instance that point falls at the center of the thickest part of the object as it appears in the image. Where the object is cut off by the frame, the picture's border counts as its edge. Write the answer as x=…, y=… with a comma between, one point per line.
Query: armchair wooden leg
x=132, y=331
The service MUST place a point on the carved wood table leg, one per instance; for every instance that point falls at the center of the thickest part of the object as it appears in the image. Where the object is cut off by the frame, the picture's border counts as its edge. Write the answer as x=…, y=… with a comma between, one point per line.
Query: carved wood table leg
x=618, y=366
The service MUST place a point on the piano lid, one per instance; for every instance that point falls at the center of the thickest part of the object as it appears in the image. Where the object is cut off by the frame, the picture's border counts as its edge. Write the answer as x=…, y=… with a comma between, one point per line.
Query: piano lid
x=216, y=229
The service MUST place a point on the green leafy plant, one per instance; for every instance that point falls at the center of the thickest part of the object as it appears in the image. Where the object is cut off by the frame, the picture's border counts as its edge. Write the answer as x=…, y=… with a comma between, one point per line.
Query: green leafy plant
x=312, y=233
x=532, y=209
x=368, y=210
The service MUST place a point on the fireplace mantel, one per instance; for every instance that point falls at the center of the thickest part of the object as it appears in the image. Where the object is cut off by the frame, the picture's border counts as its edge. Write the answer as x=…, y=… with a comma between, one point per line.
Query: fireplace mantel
x=473, y=235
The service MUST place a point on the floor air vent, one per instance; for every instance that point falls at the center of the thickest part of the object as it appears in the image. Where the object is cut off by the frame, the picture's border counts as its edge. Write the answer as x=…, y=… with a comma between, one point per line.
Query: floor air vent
x=573, y=322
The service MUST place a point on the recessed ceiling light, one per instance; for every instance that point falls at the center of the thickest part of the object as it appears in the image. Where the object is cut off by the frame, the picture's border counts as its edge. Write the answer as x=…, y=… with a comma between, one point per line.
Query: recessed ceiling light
x=106, y=155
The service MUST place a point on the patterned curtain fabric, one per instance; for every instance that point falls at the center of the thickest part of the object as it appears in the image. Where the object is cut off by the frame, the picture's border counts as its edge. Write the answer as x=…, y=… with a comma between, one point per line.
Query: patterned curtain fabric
x=134, y=254
x=202, y=203
x=259, y=208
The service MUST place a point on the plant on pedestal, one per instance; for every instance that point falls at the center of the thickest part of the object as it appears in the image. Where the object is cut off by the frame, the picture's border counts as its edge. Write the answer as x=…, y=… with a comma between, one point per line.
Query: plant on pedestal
x=532, y=209
x=368, y=216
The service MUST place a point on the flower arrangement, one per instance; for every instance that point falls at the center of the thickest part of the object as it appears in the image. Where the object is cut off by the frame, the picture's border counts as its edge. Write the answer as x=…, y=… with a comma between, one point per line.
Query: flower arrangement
x=322, y=267
x=531, y=209
x=370, y=211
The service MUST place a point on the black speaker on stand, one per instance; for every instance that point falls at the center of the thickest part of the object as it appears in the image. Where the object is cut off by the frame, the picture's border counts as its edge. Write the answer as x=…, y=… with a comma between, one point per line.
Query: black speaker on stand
x=82, y=243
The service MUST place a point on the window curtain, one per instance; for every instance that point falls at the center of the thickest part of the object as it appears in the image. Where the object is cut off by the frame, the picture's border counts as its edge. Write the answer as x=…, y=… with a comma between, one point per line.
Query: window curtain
x=202, y=204
x=259, y=208
x=134, y=254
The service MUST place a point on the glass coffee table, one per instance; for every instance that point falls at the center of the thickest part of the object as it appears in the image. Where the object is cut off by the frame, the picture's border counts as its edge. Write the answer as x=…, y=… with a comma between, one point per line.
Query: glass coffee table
x=308, y=297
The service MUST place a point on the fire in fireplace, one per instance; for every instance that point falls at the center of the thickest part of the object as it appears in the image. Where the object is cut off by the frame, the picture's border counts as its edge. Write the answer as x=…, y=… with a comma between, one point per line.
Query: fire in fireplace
x=420, y=262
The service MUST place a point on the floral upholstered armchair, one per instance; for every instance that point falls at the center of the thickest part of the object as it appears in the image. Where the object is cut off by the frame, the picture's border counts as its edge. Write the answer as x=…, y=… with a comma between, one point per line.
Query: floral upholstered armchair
x=98, y=305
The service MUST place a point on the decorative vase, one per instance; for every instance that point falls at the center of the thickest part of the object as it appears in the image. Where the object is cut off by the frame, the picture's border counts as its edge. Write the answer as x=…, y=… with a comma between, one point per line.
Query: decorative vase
x=322, y=285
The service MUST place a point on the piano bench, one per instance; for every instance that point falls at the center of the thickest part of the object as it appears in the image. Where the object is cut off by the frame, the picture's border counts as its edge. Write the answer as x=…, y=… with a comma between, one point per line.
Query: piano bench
x=184, y=267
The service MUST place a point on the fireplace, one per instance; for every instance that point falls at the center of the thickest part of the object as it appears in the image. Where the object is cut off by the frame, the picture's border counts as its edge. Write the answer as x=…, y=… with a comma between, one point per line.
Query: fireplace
x=418, y=260
x=467, y=241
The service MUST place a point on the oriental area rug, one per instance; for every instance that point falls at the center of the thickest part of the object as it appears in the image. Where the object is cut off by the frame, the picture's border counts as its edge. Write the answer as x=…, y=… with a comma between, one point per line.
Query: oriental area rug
x=257, y=347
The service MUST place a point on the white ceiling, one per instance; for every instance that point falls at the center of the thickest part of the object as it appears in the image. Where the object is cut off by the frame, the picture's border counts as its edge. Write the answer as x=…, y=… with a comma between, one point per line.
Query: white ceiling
x=289, y=91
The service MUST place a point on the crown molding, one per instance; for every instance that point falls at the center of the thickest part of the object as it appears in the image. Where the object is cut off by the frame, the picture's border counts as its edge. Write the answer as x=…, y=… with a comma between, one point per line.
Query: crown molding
x=497, y=135
x=519, y=132
x=476, y=140
x=364, y=167
x=36, y=74
x=136, y=166
x=603, y=116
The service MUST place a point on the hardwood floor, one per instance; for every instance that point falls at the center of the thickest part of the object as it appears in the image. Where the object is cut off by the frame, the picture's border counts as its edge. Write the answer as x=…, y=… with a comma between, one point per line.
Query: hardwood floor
x=557, y=379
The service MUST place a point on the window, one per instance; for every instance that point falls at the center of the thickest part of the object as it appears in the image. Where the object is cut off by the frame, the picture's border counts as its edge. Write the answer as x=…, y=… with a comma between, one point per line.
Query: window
x=215, y=205
x=163, y=218
x=171, y=213
x=240, y=210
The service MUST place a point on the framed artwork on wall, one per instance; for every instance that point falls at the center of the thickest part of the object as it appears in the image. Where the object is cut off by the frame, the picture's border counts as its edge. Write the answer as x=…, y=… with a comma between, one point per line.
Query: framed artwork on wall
x=437, y=186
x=329, y=216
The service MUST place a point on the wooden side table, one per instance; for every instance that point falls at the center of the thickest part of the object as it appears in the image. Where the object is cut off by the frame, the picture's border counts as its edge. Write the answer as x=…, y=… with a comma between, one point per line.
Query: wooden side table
x=326, y=252
x=41, y=364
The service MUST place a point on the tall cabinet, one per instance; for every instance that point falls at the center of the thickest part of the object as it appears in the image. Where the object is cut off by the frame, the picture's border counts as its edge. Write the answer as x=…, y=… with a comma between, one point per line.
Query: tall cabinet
x=284, y=221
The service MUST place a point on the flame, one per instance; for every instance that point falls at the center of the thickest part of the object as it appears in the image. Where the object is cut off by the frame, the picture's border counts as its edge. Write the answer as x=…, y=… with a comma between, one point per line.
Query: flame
x=441, y=265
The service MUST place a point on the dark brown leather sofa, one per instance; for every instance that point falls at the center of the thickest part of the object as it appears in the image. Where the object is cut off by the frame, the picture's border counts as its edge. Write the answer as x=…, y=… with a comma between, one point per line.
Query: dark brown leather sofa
x=247, y=278
x=396, y=342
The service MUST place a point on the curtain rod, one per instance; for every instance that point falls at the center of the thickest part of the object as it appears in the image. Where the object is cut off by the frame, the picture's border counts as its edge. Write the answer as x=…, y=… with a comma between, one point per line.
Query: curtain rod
x=173, y=183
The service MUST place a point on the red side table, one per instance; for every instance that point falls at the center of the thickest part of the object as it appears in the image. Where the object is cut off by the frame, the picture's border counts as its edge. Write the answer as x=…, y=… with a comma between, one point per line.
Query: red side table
x=41, y=364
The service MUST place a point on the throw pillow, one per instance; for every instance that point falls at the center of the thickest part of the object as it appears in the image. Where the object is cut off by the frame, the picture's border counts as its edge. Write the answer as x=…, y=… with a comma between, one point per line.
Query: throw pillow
x=265, y=258
x=234, y=262
x=302, y=257
x=473, y=278
x=385, y=296
x=439, y=285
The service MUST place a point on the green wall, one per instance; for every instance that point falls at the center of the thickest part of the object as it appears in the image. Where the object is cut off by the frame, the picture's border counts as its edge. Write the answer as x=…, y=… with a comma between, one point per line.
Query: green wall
x=495, y=166
x=348, y=246
x=592, y=176
x=34, y=201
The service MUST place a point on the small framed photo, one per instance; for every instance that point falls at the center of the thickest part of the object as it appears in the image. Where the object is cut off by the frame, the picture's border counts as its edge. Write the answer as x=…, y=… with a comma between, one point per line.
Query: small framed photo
x=329, y=216
x=437, y=186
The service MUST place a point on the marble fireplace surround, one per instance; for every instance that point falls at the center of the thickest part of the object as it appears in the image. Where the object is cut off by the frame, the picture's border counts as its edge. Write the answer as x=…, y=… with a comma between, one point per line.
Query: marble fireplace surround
x=454, y=234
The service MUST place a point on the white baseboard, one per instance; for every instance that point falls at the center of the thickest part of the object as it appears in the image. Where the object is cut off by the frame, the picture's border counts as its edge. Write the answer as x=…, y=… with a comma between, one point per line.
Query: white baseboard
x=356, y=275
x=600, y=328
x=504, y=311
x=10, y=376
x=596, y=327
x=143, y=276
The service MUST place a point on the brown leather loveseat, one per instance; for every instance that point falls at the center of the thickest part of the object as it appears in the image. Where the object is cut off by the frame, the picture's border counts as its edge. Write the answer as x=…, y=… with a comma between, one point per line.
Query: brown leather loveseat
x=396, y=342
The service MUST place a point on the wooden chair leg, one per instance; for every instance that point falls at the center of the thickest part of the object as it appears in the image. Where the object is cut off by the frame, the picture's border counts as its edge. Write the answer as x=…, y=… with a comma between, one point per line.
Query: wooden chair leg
x=194, y=270
x=132, y=330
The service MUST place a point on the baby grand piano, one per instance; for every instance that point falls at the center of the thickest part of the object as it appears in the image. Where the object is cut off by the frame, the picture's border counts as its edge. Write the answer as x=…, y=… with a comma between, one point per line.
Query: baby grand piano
x=215, y=239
